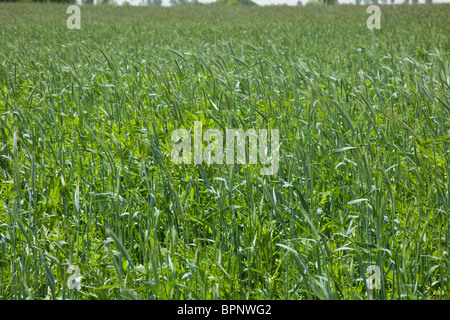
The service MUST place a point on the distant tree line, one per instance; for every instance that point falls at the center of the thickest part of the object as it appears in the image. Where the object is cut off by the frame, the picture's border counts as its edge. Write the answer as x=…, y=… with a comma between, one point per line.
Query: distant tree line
x=218, y=2
x=158, y=3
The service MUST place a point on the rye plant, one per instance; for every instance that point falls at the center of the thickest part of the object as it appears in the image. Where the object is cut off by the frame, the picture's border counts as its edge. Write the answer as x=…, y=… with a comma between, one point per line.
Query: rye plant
x=87, y=180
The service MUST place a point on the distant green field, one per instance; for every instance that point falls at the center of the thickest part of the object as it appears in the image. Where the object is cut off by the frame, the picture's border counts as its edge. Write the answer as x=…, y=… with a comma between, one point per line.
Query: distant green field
x=87, y=179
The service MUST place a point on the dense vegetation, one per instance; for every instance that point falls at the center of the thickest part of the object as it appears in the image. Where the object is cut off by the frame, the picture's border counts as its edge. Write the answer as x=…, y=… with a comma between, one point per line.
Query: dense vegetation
x=86, y=178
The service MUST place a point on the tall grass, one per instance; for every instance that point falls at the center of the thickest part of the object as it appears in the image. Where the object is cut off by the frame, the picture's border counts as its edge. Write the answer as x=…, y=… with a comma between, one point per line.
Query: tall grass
x=86, y=179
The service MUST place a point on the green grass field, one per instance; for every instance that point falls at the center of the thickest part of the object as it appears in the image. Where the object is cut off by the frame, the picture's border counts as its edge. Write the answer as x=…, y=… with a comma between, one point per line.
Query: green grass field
x=86, y=177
